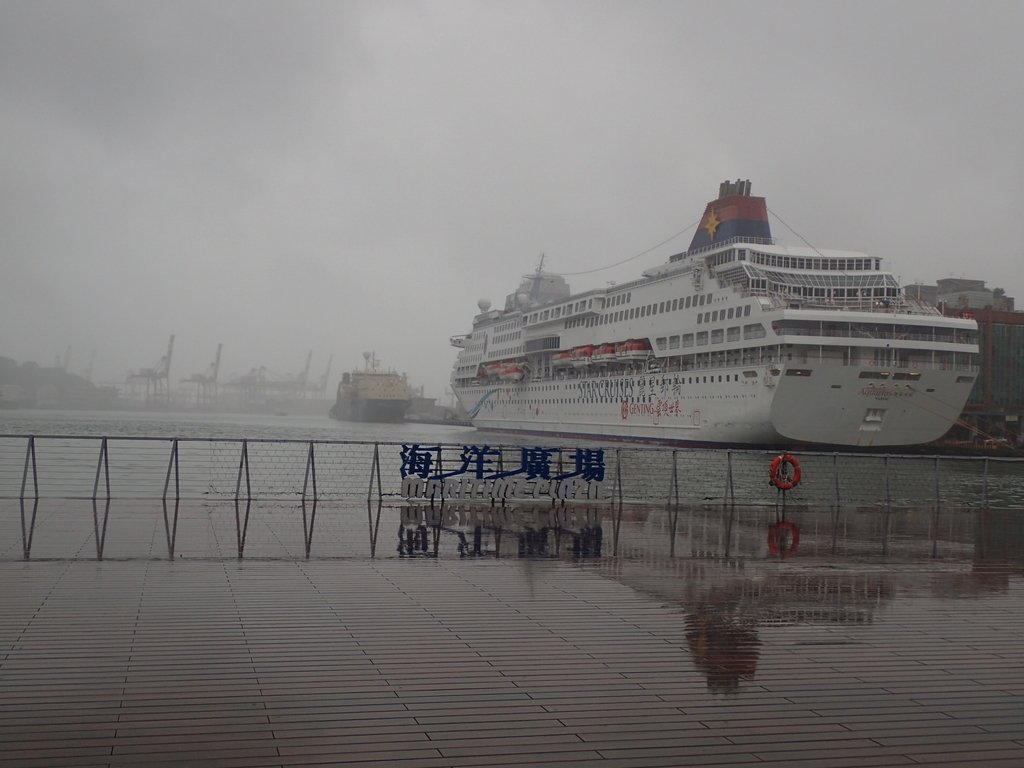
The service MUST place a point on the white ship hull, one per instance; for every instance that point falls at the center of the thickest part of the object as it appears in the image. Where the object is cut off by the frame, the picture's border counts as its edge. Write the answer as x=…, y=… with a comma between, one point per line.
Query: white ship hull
x=826, y=407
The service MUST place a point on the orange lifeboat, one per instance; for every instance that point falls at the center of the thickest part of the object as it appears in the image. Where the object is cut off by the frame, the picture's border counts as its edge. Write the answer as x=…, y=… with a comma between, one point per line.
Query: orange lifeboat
x=582, y=356
x=561, y=359
x=604, y=354
x=493, y=370
x=512, y=372
x=635, y=349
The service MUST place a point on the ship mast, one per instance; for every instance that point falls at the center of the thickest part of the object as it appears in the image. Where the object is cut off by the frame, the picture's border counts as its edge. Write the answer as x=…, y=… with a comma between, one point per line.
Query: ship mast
x=535, y=287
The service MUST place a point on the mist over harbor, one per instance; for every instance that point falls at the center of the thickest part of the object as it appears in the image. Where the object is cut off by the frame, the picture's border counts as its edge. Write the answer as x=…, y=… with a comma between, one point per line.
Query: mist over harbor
x=332, y=178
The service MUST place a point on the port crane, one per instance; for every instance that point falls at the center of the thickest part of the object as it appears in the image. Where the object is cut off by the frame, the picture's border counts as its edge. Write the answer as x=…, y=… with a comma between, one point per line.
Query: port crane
x=206, y=382
x=156, y=380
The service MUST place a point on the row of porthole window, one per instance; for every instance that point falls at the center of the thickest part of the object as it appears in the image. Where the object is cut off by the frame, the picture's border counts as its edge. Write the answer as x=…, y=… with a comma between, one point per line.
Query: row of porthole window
x=723, y=314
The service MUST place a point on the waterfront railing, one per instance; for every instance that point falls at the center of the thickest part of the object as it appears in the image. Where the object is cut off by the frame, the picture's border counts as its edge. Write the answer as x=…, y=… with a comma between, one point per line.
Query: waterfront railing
x=167, y=468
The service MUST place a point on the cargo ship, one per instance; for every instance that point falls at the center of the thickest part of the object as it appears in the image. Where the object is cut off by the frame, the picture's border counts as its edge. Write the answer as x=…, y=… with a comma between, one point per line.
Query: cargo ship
x=372, y=394
x=739, y=340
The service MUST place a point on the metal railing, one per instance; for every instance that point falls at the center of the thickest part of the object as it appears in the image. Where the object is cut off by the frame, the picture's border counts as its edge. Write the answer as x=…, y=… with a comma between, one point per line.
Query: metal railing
x=75, y=467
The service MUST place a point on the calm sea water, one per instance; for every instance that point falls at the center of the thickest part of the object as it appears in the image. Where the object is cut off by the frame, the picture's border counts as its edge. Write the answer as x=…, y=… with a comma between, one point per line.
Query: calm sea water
x=226, y=426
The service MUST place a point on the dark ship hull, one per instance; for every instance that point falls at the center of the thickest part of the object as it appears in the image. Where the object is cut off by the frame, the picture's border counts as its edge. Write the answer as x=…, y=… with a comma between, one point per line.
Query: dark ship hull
x=375, y=411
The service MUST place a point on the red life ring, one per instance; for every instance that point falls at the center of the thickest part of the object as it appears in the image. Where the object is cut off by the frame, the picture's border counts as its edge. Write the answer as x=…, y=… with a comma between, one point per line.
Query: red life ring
x=777, y=540
x=781, y=477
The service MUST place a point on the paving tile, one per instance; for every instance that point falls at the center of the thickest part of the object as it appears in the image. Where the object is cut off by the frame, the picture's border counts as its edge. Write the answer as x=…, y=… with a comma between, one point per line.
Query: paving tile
x=618, y=663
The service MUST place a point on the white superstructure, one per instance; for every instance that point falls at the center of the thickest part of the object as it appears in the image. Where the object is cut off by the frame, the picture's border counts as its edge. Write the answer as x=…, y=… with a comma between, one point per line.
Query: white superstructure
x=736, y=341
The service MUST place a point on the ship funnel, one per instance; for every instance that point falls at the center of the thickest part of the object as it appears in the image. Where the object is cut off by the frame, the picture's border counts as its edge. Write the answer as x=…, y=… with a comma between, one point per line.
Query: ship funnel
x=735, y=214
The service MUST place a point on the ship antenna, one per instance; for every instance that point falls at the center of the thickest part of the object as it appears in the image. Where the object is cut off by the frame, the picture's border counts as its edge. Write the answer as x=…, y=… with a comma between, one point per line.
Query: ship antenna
x=537, y=279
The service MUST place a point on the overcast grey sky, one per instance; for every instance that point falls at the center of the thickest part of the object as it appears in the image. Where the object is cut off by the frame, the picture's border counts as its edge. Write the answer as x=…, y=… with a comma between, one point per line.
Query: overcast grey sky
x=344, y=176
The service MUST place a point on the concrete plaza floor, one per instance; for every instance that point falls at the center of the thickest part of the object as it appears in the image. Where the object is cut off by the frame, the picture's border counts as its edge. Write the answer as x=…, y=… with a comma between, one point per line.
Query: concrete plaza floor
x=484, y=662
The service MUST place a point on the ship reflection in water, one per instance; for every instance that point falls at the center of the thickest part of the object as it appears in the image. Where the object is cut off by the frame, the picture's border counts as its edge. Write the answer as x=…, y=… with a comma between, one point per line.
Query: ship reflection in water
x=739, y=579
x=746, y=594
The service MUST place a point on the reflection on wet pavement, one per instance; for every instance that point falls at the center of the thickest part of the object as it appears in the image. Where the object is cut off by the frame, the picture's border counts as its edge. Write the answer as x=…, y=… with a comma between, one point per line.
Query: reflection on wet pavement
x=480, y=635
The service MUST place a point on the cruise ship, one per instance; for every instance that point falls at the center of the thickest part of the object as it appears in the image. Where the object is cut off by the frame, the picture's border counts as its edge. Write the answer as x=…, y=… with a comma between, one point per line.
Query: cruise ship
x=737, y=341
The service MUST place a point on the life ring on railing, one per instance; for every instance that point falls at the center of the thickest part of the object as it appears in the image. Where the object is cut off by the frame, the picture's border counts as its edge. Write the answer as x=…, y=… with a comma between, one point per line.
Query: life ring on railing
x=783, y=539
x=784, y=472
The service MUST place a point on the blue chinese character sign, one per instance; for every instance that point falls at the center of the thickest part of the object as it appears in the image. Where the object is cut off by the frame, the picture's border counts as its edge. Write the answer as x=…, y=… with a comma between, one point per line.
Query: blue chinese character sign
x=486, y=473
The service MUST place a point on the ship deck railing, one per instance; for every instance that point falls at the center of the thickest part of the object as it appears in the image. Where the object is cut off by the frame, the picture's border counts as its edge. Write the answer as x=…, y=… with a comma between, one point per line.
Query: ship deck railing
x=842, y=333
x=897, y=307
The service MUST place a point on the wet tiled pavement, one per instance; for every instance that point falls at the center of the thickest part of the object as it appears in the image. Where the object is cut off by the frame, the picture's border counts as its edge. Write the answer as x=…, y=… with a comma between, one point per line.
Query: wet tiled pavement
x=851, y=652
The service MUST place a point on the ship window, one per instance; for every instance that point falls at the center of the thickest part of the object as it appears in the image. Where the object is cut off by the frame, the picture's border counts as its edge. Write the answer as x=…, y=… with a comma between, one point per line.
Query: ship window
x=688, y=298
x=661, y=307
x=700, y=299
x=702, y=339
x=733, y=334
x=902, y=376
x=730, y=313
x=964, y=380
x=754, y=331
x=673, y=305
x=629, y=297
x=750, y=374
x=660, y=343
x=714, y=316
x=687, y=340
x=673, y=342
x=717, y=336
x=746, y=311
x=874, y=375
x=700, y=318
x=797, y=372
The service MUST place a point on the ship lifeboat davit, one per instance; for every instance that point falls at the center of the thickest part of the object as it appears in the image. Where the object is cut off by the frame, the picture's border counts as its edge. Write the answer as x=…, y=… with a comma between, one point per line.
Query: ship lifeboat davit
x=512, y=372
x=604, y=354
x=636, y=349
x=561, y=360
x=582, y=356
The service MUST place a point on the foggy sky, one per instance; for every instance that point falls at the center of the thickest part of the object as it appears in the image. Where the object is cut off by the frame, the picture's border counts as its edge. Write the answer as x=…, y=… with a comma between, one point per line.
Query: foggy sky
x=348, y=176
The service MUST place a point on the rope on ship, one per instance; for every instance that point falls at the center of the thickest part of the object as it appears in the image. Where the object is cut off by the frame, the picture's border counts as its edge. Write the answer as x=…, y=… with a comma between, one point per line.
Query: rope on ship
x=957, y=421
x=683, y=231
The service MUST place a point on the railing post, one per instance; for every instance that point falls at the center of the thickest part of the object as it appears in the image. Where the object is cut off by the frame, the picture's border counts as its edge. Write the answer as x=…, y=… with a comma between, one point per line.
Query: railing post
x=617, y=521
x=243, y=464
x=102, y=463
x=171, y=528
x=241, y=526
x=100, y=531
x=27, y=532
x=310, y=472
x=935, y=517
x=673, y=501
x=835, y=502
x=173, y=463
x=30, y=459
x=374, y=470
x=888, y=507
x=307, y=531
